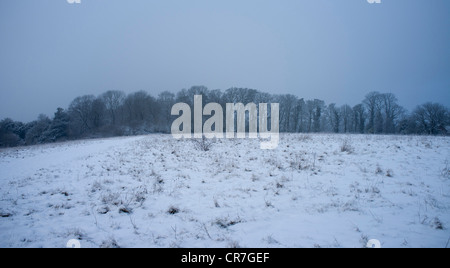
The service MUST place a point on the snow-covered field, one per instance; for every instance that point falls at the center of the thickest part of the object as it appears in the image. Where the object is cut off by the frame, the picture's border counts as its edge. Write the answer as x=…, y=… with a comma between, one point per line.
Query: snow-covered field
x=154, y=191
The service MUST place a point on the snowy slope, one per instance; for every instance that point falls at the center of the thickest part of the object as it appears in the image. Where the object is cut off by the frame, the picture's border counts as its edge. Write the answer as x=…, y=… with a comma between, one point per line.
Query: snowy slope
x=154, y=191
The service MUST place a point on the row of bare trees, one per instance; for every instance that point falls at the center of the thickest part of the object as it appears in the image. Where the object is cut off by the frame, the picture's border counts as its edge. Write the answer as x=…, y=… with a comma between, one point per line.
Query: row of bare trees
x=115, y=113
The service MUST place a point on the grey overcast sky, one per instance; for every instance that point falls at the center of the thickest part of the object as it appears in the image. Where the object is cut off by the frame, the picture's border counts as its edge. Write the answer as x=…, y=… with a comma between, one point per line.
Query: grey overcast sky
x=52, y=51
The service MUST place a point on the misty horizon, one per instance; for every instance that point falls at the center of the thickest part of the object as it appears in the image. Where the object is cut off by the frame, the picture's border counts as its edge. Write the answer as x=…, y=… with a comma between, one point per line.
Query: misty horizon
x=65, y=107
x=53, y=52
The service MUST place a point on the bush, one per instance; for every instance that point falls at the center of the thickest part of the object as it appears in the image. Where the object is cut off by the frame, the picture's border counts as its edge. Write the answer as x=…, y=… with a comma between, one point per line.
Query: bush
x=203, y=144
x=9, y=140
x=347, y=147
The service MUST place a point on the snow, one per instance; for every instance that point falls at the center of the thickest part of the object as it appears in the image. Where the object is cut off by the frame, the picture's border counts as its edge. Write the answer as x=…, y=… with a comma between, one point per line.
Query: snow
x=155, y=191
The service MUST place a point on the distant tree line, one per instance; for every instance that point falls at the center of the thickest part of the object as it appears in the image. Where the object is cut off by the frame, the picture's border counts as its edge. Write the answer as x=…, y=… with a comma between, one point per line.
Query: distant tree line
x=114, y=113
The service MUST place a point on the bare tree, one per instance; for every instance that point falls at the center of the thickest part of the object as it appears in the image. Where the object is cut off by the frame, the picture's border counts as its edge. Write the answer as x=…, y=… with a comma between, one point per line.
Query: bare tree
x=335, y=117
x=288, y=108
x=319, y=106
x=138, y=108
x=347, y=118
x=216, y=96
x=165, y=100
x=81, y=114
x=310, y=115
x=113, y=101
x=373, y=104
x=392, y=111
x=359, y=114
x=240, y=95
x=98, y=113
x=431, y=118
x=299, y=115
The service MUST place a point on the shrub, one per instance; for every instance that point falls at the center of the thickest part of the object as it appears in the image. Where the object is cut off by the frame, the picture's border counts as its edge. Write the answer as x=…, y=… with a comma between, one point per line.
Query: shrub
x=203, y=144
x=347, y=147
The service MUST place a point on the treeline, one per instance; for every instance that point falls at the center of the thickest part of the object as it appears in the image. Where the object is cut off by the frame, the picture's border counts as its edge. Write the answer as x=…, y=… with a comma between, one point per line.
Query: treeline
x=114, y=113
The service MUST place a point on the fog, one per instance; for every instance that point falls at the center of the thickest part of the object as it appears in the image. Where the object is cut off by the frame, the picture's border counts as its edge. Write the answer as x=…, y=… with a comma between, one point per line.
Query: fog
x=52, y=51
